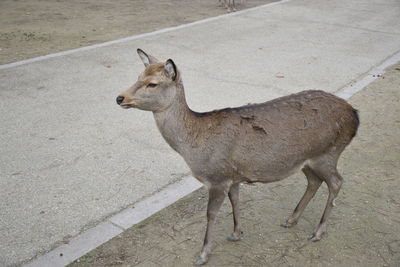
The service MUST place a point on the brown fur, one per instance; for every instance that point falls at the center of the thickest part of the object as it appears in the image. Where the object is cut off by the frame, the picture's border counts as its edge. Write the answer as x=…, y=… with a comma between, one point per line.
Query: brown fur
x=263, y=142
x=154, y=69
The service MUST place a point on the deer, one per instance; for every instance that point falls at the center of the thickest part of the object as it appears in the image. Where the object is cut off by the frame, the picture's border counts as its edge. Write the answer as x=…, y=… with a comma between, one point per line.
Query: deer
x=229, y=4
x=254, y=143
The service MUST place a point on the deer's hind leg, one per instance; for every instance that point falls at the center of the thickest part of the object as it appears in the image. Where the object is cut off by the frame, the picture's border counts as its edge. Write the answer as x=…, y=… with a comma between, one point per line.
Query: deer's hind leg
x=314, y=182
x=233, y=6
x=325, y=168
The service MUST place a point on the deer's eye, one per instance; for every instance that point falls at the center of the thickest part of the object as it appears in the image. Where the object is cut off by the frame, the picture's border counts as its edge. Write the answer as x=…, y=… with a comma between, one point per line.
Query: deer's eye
x=152, y=85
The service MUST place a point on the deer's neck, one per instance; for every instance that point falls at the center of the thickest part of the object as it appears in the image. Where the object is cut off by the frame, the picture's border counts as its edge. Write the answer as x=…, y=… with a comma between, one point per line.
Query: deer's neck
x=177, y=123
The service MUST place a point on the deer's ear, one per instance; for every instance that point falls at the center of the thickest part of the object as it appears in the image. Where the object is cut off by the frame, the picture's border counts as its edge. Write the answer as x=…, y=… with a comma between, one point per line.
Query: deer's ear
x=170, y=69
x=147, y=59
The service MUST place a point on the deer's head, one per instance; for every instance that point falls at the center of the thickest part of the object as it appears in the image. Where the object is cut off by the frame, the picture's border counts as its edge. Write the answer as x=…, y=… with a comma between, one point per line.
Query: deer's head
x=156, y=87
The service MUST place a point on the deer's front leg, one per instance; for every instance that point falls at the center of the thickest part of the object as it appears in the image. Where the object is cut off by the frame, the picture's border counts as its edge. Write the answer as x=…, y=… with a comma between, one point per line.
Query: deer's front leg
x=216, y=196
x=234, y=198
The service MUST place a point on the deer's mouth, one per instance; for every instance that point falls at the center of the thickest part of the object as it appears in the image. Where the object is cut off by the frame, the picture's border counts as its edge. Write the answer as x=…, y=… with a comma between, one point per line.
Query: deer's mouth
x=127, y=106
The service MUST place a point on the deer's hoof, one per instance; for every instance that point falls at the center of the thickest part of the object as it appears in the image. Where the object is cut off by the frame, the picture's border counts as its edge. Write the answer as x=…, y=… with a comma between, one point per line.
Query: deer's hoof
x=233, y=238
x=288, y=225
x=314, y=238
x=199, y=262
x=317, y=236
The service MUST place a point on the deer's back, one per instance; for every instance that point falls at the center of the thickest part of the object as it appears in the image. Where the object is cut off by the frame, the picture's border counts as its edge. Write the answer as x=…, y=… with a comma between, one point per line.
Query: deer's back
x=270, y=138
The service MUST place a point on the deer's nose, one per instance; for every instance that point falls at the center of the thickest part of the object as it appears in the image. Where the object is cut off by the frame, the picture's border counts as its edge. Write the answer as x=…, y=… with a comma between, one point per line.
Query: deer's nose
x=120, y=98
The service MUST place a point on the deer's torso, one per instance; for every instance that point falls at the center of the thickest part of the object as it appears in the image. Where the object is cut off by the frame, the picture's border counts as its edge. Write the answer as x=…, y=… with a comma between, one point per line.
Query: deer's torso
x=259, y=143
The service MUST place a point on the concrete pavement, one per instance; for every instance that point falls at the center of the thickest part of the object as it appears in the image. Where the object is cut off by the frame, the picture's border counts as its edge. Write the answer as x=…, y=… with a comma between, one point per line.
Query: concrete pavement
x=71, y=158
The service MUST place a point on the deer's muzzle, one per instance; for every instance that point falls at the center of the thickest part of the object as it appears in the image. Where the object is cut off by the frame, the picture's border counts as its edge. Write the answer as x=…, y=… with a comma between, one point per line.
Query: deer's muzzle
x=120, y=98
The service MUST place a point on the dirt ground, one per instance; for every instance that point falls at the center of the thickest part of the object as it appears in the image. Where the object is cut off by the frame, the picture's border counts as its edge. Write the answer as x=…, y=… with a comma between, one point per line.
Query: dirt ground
x=363, y=230
x=31, y=28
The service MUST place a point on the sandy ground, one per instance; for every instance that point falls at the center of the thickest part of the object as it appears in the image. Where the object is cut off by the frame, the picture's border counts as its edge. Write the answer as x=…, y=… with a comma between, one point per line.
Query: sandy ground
x=364, y=229
x=31, y=28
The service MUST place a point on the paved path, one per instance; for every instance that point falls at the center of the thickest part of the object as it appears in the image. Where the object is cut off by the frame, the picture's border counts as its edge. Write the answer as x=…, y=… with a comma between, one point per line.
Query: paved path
x=71, y=158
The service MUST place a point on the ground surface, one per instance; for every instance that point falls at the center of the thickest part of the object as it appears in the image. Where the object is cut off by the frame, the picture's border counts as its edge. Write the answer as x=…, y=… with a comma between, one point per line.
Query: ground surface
x=40, y=27
x=67, y=164
x=364, y=229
